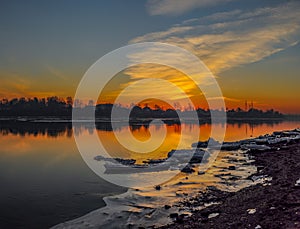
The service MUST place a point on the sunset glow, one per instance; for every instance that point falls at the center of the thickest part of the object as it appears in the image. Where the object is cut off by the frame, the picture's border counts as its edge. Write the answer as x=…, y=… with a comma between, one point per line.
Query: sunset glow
x=252, y=51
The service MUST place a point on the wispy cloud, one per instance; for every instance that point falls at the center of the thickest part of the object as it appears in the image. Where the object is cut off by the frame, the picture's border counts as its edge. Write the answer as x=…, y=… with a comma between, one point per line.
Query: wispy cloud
x=16, y=86
x=153, y=71
x=228, y=39
x=56, y=72
x=175, y=7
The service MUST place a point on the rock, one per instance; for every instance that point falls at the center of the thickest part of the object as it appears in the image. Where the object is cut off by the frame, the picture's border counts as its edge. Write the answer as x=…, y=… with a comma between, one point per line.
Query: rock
x=99, y=158
x=157, y=187
x=232, y=167
x=211, y=142
x=229, y=146
x=289, y=133
x=173, y=215
x=212, y=215
x=125, y=161
x=277, y=133
x=187, y=169
x=259, y=168
x=180, y=218
x=197, y=156
x=212, y=188
x=167, y=207
x=234, y=178
x=297, y=182
x=200, y=144
x=154, y=161
x=254, y=147
x=261, y=141
x=278, y=140
x=170, y=154
x=251, y=211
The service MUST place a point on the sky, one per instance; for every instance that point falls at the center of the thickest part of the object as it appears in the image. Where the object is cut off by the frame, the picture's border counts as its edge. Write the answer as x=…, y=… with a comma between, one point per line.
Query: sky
x=251, y=46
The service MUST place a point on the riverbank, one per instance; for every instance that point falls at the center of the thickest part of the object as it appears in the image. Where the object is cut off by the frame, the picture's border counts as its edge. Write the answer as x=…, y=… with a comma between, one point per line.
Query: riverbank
x=275, y=203
x=195, y=198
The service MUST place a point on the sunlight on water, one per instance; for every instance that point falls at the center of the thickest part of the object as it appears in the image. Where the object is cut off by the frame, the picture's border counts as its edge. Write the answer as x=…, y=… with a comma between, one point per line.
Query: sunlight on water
x=40, y=162
x=235, y=131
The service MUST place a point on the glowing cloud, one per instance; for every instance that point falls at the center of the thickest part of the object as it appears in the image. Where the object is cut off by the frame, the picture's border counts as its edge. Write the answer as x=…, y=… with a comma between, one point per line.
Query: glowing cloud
x=228, y=39
x=175, y=7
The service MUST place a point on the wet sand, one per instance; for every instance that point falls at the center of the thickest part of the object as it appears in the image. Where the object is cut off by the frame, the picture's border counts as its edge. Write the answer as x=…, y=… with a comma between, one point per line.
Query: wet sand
x=275, y=203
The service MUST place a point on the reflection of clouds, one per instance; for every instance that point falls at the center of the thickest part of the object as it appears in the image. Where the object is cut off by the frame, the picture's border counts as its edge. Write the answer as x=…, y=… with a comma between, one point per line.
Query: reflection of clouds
x=14, y=146
x=228, y=39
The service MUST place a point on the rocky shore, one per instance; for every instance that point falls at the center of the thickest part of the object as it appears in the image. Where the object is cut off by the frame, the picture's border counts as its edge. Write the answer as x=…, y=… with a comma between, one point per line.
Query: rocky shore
x=274, y=203
x=253, y=183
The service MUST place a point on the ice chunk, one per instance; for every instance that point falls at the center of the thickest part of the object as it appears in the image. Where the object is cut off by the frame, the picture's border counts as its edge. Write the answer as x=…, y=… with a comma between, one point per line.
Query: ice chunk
x=212, y=215
x=251, y=211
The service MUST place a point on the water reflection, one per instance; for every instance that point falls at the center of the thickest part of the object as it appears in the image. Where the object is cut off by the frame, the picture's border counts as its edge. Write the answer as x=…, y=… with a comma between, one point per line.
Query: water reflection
x=57, y=129
x=141, y=131
x=44, y=180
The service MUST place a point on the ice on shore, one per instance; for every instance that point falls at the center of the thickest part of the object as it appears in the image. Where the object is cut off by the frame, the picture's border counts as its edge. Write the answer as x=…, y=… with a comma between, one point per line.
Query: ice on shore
x=297, y=182
x=261, y=143
x=251, y=211
x=145, y=207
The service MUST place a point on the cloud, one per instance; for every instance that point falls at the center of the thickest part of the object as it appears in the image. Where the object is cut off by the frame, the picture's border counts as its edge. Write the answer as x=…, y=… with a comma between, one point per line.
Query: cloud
x=16, y=86
x=153, y=71
x=226, y=40
x=56, y=72
x=176, y=7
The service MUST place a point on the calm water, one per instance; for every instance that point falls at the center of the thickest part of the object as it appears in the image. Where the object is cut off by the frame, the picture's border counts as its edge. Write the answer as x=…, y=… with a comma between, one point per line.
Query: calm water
x=44, y=180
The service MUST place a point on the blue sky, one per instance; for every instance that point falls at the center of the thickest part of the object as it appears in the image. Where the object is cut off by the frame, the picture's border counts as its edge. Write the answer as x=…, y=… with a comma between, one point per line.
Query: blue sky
x=46, y=46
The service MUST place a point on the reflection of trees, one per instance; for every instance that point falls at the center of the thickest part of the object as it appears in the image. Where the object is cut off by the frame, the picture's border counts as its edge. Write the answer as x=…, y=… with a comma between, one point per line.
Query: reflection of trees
x=255, y=122
x=57, y=129
x=53, y=129
x=36, y=129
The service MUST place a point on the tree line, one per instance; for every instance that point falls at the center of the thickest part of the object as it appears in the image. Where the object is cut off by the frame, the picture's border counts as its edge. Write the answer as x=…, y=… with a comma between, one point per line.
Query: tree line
x=60, y=107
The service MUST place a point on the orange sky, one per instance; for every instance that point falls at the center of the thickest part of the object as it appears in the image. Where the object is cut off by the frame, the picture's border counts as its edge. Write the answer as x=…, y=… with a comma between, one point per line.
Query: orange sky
x=264, y=95
x=252, y=48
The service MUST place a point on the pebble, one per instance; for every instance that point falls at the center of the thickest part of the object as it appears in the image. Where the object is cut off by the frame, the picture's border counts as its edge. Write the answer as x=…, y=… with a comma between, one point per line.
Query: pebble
x=167, y=207
x=187, y=169
x=173, y=215
x=212, y=215
x=251, y=211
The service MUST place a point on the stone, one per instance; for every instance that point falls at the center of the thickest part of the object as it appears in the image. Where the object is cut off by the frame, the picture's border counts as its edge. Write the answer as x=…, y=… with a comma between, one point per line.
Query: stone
x=167, y=207
x=158, y=187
